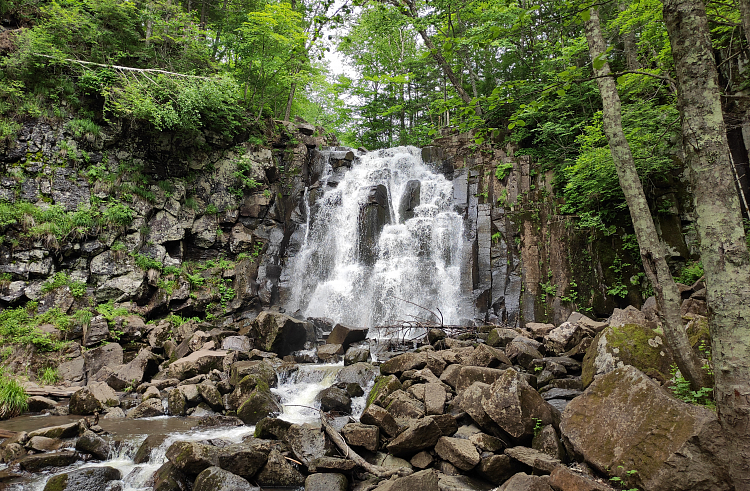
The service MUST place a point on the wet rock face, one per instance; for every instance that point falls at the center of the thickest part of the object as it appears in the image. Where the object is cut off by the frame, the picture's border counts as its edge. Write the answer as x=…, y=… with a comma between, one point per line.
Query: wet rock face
x=372, y=218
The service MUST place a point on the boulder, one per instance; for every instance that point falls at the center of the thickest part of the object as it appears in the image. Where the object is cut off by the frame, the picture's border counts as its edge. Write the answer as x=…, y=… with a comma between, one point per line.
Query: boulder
x=131, y=286
x=263, y=369
x=500, y=337
x=487, y=356
x=192, y=458
x=330, y=353
x=625, y=421
x=361, y=435
x=147, y=409
x=279, y=472
x=169, y=478
x=547, y=441
x=211, y=395
x=356, y=355
x=359, y=373
x=37, y=462
x=469, y=375
x=538, y=329
x=196, y=363
x=522, y=353
x=307, y=442
x=418, y=436
x=630, y=344
x=401, y=363
x=624, y=317
x=565, y=479
x=87, y=479
x=279, y=333
x=334, y=399
x=93, y=398
x=244, y=459
x=93, y=444
x=63, y=431
x=326, y=482
x=564, y=337
x=72, y=371
x=401, y=405
x=463, y=483
x=217, y=479
x=459, y=452
x=345, y=335
x=426, y=480
x=524, y=482
x=38, y=403
x=96, y=331
x=44, y=444
x=236, y=343
x=540, y=462
x=109, y=355
x=377, y=416
x=143, y=454
x=515, y=406
x=434, y=398
x=496, y=468
x=382, y=388
x=260, y=404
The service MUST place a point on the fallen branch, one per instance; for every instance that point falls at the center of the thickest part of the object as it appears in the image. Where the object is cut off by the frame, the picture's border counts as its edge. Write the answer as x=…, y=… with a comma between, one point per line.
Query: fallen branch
x=350, y=454
x=125, y=68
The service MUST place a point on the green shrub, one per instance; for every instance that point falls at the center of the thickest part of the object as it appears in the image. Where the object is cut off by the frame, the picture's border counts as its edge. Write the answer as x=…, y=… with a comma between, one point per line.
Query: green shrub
x=13, y=398
x=49, y=376
x=690, y=273
x=83, y=127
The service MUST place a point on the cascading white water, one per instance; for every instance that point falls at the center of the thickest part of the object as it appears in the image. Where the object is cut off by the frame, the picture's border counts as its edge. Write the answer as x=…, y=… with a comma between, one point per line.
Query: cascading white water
x=418, y=255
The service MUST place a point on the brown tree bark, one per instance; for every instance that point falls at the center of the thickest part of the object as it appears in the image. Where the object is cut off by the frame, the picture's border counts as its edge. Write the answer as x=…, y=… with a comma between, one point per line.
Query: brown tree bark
x=745, y=14
x=653, y=252
x=724, y=253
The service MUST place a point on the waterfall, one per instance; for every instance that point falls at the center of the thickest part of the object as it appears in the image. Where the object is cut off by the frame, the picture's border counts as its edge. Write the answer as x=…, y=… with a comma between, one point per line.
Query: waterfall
x=382, y=234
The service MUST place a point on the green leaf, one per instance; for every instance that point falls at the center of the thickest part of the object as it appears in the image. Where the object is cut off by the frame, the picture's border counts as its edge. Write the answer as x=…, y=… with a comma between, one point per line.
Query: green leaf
x=511, y=126
x=585, y=16
x=560, y=92
x=479, y=140
x=599, y=62
x=521, y=122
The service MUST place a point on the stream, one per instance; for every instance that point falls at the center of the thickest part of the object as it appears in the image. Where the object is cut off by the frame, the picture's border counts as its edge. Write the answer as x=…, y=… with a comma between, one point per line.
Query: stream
x=296, y=390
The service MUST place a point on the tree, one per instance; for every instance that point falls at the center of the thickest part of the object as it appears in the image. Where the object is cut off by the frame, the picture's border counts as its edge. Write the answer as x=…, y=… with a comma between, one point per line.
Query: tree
x=652, y=250
x=723, y=248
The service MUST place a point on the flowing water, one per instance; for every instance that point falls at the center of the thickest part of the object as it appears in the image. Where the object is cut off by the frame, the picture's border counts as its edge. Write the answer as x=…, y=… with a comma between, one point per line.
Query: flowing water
x=418, y=254
x=296, y=390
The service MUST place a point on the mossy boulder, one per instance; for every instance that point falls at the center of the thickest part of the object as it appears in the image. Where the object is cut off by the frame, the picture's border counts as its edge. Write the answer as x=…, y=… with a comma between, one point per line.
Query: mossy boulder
x=626, y=422
x=88, y=479
x=630, y=344
x=382, y=388
x=258, y=405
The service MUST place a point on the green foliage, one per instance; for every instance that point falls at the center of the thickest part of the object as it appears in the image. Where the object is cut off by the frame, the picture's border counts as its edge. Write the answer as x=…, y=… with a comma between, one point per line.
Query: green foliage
x=49, y=376
x=244, y=171
x=110, y=312
x=177, y=320
x=19, y=326
x=54, y=224
x=61, y=278
x=83, y=128
x=13, y=397
x=145, y=263
x=226, y=293
x=187, y=105
x=681, y=389
x=503, y=170
x=690, y=273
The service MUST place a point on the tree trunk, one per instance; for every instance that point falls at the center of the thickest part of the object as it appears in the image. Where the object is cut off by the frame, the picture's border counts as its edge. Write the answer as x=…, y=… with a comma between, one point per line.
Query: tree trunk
x=745, y=13
x=724, y=253
x=653, y=252
x=630, y=45
x=288, y=112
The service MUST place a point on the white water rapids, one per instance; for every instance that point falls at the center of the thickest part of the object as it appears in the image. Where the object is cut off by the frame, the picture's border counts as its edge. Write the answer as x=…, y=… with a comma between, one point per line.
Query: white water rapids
x=417, y=258
x=296, y=391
